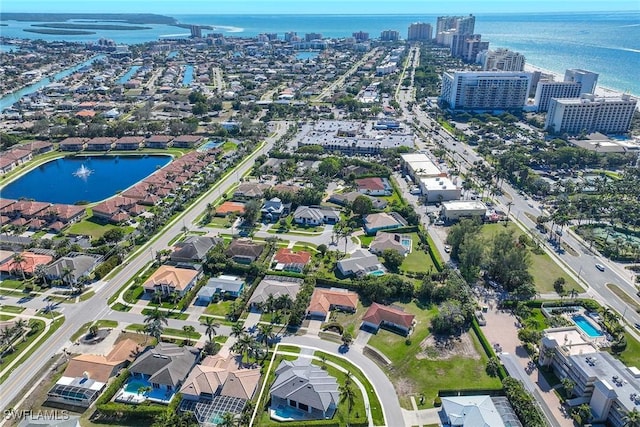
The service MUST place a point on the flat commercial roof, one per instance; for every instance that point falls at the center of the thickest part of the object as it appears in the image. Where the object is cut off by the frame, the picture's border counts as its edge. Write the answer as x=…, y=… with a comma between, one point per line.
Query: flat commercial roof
x=464, y=205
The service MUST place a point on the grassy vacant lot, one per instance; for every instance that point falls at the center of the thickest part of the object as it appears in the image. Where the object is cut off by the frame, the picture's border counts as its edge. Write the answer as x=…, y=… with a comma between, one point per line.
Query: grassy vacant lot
x=220, y=308
x=350, y=320
x=543, y=269
x=413, y=376
x=418, y=260
x=92, y=228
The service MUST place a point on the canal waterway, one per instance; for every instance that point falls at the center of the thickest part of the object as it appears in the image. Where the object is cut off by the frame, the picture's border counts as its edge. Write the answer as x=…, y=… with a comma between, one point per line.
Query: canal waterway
x=10, y=99
x=58, y=181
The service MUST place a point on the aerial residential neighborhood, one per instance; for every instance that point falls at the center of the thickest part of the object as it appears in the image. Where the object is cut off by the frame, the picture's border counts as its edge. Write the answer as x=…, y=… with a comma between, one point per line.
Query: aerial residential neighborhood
x=296, y=229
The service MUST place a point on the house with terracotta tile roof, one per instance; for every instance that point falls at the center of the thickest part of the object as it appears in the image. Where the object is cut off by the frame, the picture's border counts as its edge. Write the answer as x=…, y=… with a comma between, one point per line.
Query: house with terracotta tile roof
x=27, y=266
x=102, y=367
x=100, y=144
x=230, y=207
x=129, y=143
x=374, y=186
x=324, y=300
x=111, y=210
x=388, y=317
x=168, y=279
x=67, y=214
x=13, y=158
x=158, y=141
x=73, y=144
x=220, y=376
x=25, y=209
x=86, y=114
x=287, y=260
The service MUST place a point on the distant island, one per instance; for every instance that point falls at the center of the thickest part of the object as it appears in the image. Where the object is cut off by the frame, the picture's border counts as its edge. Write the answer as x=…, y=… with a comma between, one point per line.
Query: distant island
x=84, y=26
x=131, y=18
x=58, y=32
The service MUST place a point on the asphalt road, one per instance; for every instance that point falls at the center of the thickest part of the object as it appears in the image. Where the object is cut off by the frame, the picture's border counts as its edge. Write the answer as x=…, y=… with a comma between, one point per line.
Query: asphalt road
x=96, y=307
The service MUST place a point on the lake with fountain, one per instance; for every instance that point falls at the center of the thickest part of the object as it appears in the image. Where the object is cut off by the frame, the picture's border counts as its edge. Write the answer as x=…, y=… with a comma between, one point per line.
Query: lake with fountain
x=92, y=178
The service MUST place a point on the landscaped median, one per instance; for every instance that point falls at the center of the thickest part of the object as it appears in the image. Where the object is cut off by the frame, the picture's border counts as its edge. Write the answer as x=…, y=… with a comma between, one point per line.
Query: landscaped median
x=337, y=367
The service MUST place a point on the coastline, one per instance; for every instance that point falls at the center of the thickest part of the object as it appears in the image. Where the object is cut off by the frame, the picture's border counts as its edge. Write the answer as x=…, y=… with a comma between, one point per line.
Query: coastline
x=600, y=90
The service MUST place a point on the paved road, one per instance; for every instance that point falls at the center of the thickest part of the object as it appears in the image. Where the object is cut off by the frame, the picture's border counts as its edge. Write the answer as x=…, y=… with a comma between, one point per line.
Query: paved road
x=96, y=307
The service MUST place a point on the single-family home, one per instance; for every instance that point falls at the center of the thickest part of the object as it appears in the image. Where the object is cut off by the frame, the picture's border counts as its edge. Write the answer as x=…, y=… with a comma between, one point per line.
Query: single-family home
x=400, y=243
x=26, y=265
x=287, y=260
x=164, y=368
x=275, y=286
x=305, y=389
x=218, y=376
x=223, y=286
x=383, y=221
x=230, y=207
x=324, y=300
x=72, y=267
x=388, y=317
x=315, y=215
x=244, y=251
x=458, y=411
x=194, y=248
x=87, y=374
x=360, y=262
x=168, y=279
x=273, y=209
x=374, y=186
x=346, y=199
x=250, y=190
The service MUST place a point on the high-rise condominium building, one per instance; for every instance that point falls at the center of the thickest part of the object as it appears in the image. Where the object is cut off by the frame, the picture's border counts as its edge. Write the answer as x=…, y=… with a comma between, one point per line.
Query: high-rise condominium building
x=590, y=113
x=501, y=60
x=587, y=79
x=308, y=37
x=360, y=36
x=290, y=36
x=419, y=31
x=390, y=36
x=485, y=90
x=472, y=46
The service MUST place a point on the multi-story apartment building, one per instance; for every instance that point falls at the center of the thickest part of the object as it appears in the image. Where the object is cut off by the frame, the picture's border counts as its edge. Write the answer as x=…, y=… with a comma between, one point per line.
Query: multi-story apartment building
x=501, y=60
x=453, y=31
x=611, y=389
x=590, y=113
x=419, y=31
x=360, y=36
x=547, y=90
x=308, y=37
x=485, y=90
x=472, y=46
x=390, y=36
x=587, y=79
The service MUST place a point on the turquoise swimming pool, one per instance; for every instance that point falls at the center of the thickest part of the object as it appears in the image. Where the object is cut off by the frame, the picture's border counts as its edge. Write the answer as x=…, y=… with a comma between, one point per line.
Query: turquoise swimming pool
x=582, y=323
x=377, y=273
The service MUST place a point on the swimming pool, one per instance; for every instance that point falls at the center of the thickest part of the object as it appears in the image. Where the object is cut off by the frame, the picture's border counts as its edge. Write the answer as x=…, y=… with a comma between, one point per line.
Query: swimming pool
x=134, y=386
x=582, y=323
x=377, y=273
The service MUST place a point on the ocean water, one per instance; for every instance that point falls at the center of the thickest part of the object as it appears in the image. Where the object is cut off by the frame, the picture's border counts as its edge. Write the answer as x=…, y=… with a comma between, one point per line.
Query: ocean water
x=607, y=43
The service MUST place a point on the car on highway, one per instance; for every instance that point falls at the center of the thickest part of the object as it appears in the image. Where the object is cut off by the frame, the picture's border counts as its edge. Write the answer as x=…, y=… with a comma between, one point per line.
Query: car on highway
x=637, y=325
x=600, y=267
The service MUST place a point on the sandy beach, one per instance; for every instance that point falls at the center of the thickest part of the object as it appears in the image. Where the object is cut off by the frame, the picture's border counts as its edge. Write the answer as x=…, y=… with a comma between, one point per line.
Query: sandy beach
x=600, y=91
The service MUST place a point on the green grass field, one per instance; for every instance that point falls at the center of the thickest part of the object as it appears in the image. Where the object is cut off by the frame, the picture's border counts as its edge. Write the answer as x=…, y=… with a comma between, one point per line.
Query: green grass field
x=92, y=228
x=543, y=269
x=413, y=376
x=221, y=308
x=418, y=260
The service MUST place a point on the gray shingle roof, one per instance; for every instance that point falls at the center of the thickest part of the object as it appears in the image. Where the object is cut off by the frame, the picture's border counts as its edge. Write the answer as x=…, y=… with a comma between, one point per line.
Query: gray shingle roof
x=194, y=248
x=166, y=363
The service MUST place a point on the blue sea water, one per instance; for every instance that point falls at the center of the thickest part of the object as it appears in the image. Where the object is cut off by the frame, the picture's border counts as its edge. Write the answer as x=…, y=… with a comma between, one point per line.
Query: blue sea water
x=55, y=181
x=607, y=43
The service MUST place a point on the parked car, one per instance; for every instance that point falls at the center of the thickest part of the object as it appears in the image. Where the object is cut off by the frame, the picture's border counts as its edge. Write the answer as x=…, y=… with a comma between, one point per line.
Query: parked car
x=447, y=248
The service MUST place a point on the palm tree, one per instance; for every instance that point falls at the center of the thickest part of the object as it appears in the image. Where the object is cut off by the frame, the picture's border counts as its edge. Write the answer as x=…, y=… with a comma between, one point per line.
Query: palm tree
x=67, y=275
x=211, y=325
x=632, y=418
x=40, y=271
x=284, y=303
x=266, y=334
x=156, y=316
x=228, y=419
x=568, y=384
x=157, y=295
x=237, y=329
x=188, y=330
x=347, y=394
x=154, y=329
x=7, y=337
x=245, y=344
x=21, y=327
x=16, y=262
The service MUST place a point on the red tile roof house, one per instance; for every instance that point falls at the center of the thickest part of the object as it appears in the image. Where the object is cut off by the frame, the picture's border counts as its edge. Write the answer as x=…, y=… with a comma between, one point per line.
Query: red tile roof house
x=168, y=279
x=67, y=214
x=383, y=316
x=230, y=207
x=11, y=159
x=158, y=141
x=129, y=143
x=28, y=266
x=26, y=209
x=187, y=141
x=73, y=144
x=110, y=209
x=287, y=260
x=374, y=186
x=99, y=144
x=325, y=300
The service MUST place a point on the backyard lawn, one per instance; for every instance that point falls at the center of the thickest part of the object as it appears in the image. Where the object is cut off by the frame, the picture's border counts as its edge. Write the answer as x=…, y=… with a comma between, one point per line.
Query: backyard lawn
x=416, y=371
x=418, y=261
x=543, y=269
x=221, y=308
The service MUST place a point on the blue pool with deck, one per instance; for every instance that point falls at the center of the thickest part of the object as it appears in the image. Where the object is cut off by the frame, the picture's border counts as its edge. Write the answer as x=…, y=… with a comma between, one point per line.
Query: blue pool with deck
x=584, y=324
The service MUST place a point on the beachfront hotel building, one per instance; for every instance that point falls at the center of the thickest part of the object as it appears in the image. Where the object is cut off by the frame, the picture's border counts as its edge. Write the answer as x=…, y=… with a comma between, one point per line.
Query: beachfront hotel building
x=609, y=387
x=501, y=60
x=576, y=82
x=419, y=31
x=591, y=113
x=485, y=90
x=390, y=36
